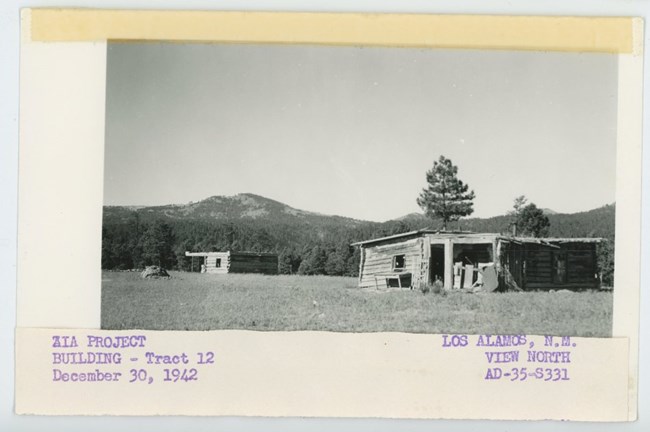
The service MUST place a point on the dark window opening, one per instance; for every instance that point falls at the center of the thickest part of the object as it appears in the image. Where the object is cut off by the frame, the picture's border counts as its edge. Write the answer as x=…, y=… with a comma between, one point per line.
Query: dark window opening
x=399, y=262
x=218, y=263
x=473, y=254
x=437, y=264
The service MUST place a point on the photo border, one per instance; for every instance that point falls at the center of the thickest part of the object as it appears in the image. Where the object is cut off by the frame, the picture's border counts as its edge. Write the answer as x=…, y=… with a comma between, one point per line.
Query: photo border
x=83, y=33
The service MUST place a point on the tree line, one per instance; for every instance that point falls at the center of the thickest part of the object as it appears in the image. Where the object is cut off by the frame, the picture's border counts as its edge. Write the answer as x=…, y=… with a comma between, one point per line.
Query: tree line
x=134, y=241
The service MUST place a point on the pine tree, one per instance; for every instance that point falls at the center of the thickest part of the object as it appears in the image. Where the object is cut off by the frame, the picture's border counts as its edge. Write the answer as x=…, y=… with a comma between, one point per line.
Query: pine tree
x=288, y=261
x=515, y=214
x=352, y=267
x=518, y=206
x=446, y=197
x=336, y=264
x=532, y=221
x=314, y=263
x=284, y=262
x=605, y=254
x=156, y=243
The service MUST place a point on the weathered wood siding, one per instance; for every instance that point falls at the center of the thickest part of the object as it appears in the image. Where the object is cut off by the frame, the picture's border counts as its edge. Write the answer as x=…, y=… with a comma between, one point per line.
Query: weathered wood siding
x=532, y=263
x=253, y=263
x=378, y=261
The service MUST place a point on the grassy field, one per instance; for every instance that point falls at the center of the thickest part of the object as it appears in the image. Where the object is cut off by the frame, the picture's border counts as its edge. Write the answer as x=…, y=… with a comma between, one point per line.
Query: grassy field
x=192, y=301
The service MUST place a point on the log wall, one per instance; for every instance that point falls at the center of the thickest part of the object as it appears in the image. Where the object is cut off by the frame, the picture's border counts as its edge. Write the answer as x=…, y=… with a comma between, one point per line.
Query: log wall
x=253, y=263
x=581, y=267
x=211, y=263
x=539, y=266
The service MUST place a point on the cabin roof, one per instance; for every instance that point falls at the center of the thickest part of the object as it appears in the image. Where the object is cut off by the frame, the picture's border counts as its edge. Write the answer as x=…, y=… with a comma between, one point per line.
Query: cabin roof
x=421, y=232
x=559, y=239
x=205, y=254
x=469, y=234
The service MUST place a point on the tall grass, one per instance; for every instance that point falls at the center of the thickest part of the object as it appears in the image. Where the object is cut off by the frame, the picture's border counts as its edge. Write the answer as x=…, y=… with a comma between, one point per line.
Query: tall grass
x=192, y=301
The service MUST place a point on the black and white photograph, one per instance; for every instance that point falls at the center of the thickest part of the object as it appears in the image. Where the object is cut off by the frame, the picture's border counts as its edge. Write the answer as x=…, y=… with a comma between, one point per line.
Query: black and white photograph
x=358, y=189
x=238, y=215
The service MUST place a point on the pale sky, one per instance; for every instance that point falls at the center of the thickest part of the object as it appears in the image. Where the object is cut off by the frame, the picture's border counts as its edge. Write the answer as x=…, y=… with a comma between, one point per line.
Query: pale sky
x=352, y=131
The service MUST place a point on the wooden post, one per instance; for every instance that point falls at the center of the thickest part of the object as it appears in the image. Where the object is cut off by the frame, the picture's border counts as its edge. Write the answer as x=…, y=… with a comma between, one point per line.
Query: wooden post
x=469, y=276
x=449, y=264
x=425, y=271
x=362, y=258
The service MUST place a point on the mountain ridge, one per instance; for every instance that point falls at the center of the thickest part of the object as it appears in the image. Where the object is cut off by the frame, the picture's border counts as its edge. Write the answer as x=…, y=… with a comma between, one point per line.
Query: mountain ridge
x=256, y=210
x=230, y=207
x=306, y=242
x=253, y=206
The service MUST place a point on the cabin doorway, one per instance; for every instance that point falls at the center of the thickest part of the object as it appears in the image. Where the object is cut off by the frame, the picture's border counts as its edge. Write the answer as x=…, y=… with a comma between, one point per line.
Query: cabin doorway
x=197, y=264
x=437, y=263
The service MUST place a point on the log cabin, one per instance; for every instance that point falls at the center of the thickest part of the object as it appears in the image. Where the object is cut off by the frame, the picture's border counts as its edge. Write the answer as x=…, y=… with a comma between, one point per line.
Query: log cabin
x=460, y=260
x=236, y=262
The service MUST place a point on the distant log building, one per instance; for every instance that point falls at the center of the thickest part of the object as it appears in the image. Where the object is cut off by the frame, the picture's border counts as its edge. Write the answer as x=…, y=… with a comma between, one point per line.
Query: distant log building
x=236, y=262
x=466, y=260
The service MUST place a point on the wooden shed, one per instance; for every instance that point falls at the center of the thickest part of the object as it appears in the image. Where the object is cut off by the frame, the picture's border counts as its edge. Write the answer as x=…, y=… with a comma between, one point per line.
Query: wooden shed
x=463, y=259
x=236, y=262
